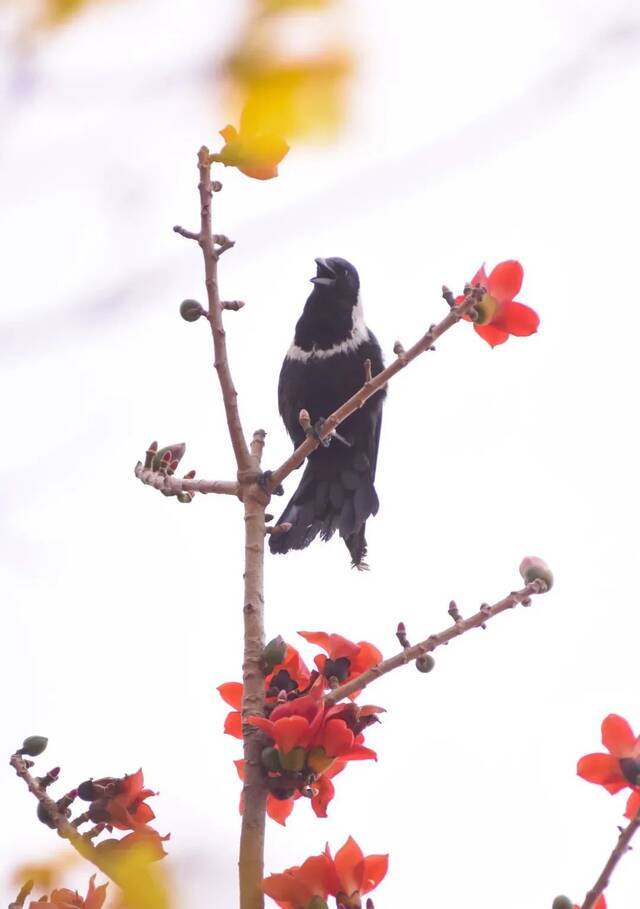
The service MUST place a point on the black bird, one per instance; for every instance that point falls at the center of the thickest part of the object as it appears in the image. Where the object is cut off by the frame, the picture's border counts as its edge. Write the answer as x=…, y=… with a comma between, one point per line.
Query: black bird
x=323, y=367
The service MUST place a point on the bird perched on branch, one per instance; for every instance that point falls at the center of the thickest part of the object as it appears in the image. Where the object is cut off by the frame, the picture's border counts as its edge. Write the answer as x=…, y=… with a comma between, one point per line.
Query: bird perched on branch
x=324, y=366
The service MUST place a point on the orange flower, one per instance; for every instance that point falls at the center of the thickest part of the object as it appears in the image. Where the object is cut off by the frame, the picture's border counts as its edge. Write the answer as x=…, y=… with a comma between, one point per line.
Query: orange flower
x=600, y=903
x=348, y=877
x=621, y=767
x=71, y=899
x=256, y=154
x=128, y=810
x=290, y=676
x=353, y=874
x=296, y=887
x=345, y=660
x=500, y=314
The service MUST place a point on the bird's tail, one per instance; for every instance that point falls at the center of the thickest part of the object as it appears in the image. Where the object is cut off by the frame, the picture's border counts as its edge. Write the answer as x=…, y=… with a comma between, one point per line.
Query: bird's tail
x=335, y=493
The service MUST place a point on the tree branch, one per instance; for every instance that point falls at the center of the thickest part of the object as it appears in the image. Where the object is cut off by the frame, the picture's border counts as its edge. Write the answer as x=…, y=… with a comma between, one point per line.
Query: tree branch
x=621, y=847
x=206, y=241
x=460, y=626
x=172, y=485
x=64, y=827
x=371, y=386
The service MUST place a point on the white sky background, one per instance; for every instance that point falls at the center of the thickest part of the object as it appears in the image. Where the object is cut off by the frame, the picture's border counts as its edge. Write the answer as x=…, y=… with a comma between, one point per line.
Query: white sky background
x=478, y=132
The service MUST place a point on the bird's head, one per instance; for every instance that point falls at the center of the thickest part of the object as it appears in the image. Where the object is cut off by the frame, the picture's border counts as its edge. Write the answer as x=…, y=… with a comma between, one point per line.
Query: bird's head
x=338, y=275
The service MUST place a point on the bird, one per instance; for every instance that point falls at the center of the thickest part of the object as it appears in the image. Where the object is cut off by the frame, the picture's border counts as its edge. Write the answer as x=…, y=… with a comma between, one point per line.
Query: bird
x=324, y=366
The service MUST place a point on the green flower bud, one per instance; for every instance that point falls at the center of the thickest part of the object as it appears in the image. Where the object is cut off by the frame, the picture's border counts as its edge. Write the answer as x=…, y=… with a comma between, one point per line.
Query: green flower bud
x=45, y=817
x=293, y=760
x=270, y=758
x=273, y=654
x=191, y=310
x=562, y=902
x=425, y=663
x=533, y=568
x=34, y=745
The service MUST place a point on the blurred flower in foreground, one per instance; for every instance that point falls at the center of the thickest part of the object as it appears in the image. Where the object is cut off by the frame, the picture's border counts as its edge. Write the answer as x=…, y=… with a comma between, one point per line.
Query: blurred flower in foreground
x=71, y=899
x=500, y=315
x=621, y=767
x=347, y=877
x=255, y=154
x=289, y=69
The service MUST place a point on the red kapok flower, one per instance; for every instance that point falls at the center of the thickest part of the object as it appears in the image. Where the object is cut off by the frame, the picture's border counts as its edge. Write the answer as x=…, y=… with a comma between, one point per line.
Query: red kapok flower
x=600, y=903
x=353, y=874
x=345, y=660
x=128, y=810
x=71, y=899
x=256, y=154
x=296, y=887
x=500, y=314
x=290, y=676
x=621, y=767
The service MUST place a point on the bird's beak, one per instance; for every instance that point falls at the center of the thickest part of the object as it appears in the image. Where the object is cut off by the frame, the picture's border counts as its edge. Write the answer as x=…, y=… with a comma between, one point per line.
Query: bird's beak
x=326, y=275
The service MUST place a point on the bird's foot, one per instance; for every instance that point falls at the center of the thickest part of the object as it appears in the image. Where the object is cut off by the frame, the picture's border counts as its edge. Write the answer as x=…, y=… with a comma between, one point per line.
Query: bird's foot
x=264, y=480
x=316, y=429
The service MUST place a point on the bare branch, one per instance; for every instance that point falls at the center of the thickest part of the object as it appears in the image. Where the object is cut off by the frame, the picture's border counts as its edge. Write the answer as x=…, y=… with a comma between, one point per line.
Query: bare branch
x=460, y=626
x=621, y=847
x=25, y=890
x=171, y=485
x=206, y=240
x=369, y=388
x=188, y=234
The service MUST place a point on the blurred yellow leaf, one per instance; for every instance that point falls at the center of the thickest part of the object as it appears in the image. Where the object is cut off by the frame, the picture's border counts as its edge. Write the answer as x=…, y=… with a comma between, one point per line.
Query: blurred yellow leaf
x=142, y=880
x=57, y=11
x=254, y=153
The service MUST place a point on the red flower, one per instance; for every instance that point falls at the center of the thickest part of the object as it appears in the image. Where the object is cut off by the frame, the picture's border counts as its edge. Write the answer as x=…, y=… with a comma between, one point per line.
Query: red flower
x=296, y=887
x=256, y=154
x=600, y=903
x=289, y=676
x=500, y=314
x=621, y=767
x=128, y=810
x=348, y=877
x=71, y=899
x=345, y=660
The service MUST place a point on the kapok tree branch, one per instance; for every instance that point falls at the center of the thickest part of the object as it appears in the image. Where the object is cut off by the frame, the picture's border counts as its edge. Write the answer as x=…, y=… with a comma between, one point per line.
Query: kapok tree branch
x=460, y=626
x=64, y=827
x=173, y=485
x=372, y=385
x=621, y=847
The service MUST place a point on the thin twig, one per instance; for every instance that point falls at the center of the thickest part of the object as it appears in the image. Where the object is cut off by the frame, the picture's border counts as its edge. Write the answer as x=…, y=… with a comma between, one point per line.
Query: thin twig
x=408, y=654
x=369, y=388
x=66, y=830
x=173, y=485
x=25, y=890
x=621, y=847
x=206, y=241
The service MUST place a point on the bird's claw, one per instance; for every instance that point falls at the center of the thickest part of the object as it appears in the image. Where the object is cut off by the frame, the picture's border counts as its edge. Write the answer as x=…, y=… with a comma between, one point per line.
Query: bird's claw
x=316, y=429
x=263, y=481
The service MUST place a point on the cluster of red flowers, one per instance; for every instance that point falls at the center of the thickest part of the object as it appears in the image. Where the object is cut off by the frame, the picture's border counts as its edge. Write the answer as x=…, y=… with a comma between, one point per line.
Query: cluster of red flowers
x=311, y=743
x=71, y=899
x=347, y=877
x=120, y=803
x=620, y=769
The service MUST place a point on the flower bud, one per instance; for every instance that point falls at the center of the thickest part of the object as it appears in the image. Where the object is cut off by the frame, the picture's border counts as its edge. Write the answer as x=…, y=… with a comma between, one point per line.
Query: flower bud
x=562, y=902
x=191, y=310
x=45, y=817
x=533, y=568
x=486, y=309
x=317, y=903
x=175, y=452
x=318, y=760
x=293, y=760
x=87, y=791
x=34, y=745
x=273, y=654
x=98, y=811
x=425, y=663
x=270, y=758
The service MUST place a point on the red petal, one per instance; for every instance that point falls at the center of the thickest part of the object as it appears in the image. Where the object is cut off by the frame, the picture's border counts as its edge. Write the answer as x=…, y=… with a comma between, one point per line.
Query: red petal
x=314, y=873
x=262, y=723
x=319, y=638
x=375, y=868
x=284, y=888
x=233, y=724
x=617, y=736
x=289, y=732
x=491, y=334
x=505, y=280
x=359, y=753
x=325, y=791
x=143, y=813
x=231, y=694
x=279, y=809
x=349, y=865
x=633, y=805
x=336, y=738
x=239, y=765
x=132, y=784
x=309, y=706
x=604, y=770
x=517, y=319
x=480, y=277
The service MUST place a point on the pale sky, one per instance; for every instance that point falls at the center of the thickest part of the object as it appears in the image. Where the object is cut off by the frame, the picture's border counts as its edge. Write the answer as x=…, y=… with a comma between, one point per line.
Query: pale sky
x=477, y=132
